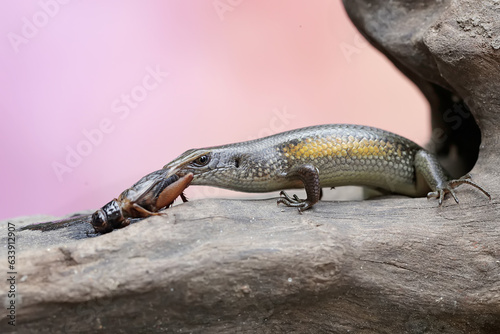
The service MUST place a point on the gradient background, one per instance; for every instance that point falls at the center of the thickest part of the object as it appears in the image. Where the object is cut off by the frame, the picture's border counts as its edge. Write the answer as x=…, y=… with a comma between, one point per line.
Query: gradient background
x=230, y=74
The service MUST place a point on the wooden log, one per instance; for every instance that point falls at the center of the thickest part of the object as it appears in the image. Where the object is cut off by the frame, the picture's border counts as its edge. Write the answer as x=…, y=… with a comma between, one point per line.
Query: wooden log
x=384, y=265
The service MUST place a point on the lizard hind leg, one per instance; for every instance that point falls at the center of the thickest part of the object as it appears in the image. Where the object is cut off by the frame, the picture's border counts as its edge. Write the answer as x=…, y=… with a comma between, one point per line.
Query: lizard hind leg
x=437, y=179
x=466, y=179
x=450, y=186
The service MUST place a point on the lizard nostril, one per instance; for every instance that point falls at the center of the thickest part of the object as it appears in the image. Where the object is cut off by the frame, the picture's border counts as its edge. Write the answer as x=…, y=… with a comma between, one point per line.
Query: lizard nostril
x=237, y=162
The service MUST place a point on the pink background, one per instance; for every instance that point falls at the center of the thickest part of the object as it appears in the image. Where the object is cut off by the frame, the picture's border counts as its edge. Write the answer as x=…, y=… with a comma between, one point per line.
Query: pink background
x=256, y=68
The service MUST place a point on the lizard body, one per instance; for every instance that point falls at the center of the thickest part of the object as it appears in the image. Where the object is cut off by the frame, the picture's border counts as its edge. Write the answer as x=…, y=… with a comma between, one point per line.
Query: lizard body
x=320, y=156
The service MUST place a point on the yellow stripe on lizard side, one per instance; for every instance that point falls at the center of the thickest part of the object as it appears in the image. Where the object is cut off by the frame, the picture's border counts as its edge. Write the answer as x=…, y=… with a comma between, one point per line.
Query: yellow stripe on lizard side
x=312, y=148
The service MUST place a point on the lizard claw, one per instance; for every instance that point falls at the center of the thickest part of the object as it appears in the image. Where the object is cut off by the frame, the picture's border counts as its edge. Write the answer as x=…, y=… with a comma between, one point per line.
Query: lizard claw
x=294, y=201
x=449, y=187
x=440, y=193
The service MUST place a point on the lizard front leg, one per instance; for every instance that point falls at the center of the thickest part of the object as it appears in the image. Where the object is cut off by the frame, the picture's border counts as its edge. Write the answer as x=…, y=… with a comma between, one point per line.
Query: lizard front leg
x=309, y=175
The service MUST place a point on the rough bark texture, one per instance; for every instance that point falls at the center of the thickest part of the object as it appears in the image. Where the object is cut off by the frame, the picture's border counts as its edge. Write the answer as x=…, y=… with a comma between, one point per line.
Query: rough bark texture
x=390, y=265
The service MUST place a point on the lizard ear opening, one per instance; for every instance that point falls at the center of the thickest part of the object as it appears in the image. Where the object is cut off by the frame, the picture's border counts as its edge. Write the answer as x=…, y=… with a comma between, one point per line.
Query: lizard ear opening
x=237, y=162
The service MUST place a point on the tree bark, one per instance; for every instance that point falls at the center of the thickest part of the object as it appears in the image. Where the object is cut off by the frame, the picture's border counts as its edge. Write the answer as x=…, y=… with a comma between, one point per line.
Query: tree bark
x=224, y=266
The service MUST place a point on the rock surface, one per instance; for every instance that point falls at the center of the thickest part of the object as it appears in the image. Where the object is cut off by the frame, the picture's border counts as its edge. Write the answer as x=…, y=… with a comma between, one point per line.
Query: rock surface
x=389, y=265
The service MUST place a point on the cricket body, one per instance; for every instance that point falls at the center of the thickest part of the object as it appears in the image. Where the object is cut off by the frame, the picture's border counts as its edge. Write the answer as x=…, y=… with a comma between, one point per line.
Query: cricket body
x=145, y=198
x=320, y=156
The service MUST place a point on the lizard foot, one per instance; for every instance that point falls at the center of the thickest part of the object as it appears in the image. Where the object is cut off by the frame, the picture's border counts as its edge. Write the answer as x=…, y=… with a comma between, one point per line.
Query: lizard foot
x=449, y=187
x=294, y=201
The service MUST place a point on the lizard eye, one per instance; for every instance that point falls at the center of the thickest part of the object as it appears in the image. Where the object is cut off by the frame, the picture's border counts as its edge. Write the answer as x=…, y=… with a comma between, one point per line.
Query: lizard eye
x=201, y=161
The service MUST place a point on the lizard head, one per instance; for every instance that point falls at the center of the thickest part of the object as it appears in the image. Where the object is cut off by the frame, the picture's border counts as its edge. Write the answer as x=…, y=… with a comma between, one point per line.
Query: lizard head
x=196, y=161
x=216, y=166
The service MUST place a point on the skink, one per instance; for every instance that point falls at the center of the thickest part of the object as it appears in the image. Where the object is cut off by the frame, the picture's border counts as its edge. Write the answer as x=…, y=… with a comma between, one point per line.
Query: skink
x=320, y=156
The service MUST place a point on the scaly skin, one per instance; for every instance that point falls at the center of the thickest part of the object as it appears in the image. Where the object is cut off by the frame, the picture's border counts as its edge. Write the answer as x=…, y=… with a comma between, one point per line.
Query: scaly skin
x=319, y=156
